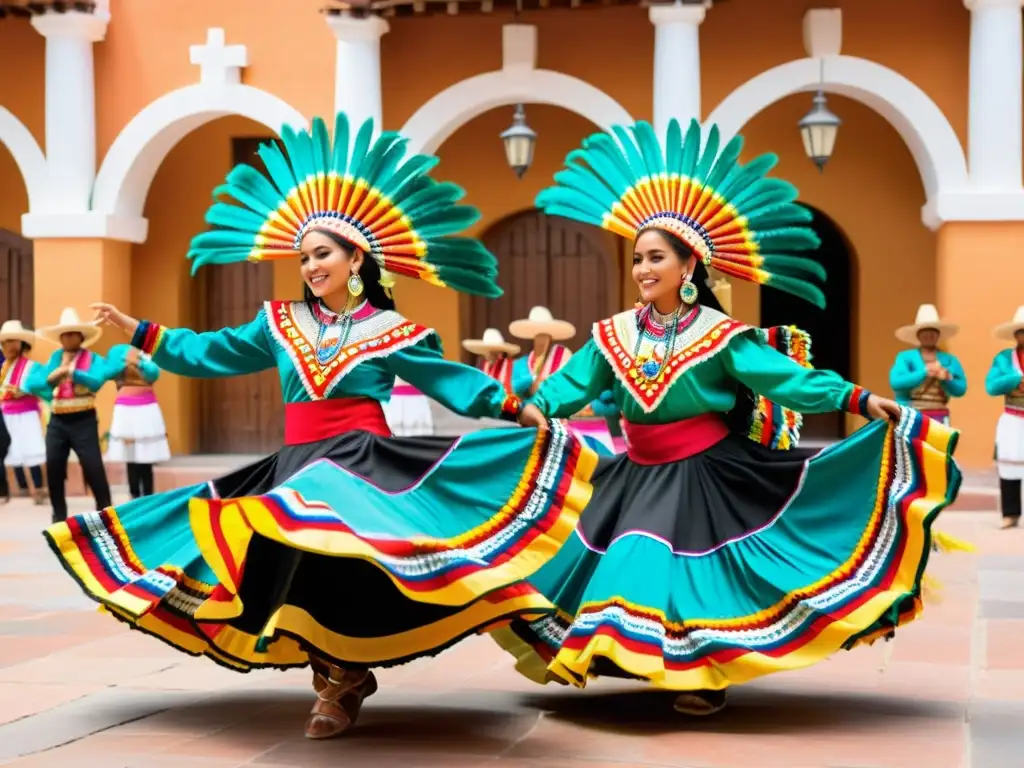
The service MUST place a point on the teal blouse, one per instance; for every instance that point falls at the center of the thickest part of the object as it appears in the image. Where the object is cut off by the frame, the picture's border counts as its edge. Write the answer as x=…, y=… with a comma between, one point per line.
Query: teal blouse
x=711, y=355
x=908, y=373
x=522, y=379
x=380, y=346
x=1005, y=374
x=87, y=380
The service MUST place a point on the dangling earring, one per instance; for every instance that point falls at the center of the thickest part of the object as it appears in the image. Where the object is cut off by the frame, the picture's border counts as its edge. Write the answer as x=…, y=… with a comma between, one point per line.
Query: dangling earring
x=688, y=291
x=355, y=285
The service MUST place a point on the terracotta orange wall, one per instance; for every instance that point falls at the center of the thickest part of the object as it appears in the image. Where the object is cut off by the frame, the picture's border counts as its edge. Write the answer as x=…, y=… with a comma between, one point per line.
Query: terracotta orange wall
x=146, y=54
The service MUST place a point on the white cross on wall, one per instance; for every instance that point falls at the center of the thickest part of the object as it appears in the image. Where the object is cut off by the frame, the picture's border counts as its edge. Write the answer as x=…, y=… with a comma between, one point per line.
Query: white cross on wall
x=219, y=63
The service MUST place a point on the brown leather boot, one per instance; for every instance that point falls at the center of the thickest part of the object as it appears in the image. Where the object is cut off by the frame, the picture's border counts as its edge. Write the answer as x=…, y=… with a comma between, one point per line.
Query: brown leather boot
x=340, y=694
x=700, y=703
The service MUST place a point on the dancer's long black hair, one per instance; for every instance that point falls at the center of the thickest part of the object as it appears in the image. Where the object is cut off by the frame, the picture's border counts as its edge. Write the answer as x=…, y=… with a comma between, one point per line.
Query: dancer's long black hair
x=369, y=273
x=738, y=418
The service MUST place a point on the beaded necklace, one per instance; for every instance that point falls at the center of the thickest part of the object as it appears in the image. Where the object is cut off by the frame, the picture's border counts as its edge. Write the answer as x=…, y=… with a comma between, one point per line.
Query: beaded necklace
x=332, y=333
x=650, y=368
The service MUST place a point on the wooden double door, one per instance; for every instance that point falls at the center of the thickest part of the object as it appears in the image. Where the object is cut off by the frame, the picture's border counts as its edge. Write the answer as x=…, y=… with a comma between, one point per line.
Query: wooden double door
x=240, y=414
x=17, y=291
x=573, y=269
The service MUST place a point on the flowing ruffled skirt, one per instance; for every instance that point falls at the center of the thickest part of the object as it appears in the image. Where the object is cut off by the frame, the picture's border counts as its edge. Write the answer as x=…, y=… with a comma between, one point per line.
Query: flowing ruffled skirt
x=741, y=561
x=362, y=549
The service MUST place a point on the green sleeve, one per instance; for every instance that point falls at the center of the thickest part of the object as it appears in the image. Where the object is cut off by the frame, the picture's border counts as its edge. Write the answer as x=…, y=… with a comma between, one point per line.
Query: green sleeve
x=908, y=372
x=212, y=354
x=460, y=388
x=572, y=387
x=1003, y=377
x=784, y=381
x=957, y=385
x=96, y=376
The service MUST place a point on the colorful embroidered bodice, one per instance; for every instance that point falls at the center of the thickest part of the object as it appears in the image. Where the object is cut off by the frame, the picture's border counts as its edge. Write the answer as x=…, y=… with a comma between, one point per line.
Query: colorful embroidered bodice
x=911, y=384
x=359, y=356
x=88, y=375
x=14, y=376
x=657, y=377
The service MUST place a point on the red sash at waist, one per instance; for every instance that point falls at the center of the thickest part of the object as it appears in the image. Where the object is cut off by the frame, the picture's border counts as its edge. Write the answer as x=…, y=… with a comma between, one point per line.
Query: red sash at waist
x=1011, y=410
x=320, y=419
x=664, y=443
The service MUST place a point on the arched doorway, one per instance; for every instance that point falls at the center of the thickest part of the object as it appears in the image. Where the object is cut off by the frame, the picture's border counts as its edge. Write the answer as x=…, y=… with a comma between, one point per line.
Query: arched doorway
x=232, y=415
x=572, y=269
x=17, y=291
x=240, y=414
x=831, y=329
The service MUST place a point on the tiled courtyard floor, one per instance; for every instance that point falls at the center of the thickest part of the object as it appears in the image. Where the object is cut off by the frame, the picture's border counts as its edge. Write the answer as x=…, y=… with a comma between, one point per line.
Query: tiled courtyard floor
x=79, y=690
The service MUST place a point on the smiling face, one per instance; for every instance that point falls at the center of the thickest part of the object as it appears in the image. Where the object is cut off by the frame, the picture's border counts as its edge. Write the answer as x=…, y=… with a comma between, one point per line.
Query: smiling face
x=928, y=337
x=326, y=266
x=659, y=269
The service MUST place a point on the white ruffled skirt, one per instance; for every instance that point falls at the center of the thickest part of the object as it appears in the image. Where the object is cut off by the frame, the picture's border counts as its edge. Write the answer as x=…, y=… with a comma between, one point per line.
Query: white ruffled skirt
x=28, y=447
x=408, y=412
x=138, y=434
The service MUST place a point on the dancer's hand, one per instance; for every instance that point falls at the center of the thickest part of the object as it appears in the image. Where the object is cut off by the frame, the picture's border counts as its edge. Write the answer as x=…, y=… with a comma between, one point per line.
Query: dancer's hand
x=531, y=416
x=58, y=375
x=108, y=313
x=881, y=408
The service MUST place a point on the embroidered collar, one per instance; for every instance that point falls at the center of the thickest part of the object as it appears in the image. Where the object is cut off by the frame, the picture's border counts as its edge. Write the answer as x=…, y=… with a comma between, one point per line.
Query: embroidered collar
x=374, y=334
x=702, y=334
x=326, y=316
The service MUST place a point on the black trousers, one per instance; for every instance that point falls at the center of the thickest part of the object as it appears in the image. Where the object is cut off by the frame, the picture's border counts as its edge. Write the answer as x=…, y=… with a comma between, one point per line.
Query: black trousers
x=140, y=479
x=22, y=478
x=78, y=432
x=1009, y=497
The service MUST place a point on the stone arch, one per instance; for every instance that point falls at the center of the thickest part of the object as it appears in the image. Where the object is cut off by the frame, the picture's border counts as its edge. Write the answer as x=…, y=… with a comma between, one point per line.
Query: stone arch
x=928, y=134
x=135, y=156
x=455, y=106
x=27, y=155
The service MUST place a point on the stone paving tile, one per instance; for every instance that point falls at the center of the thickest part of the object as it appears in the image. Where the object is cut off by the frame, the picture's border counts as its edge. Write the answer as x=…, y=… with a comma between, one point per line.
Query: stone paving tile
x=1002, y=609
x=997, y=733
x=78, y=689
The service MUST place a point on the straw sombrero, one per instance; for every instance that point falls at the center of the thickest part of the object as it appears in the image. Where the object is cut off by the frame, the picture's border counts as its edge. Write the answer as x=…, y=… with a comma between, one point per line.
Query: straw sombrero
x=1008, y=330
x=492, y=341
x=13, y=330
x=541, y=322
x=927, y=318
x=70, y=322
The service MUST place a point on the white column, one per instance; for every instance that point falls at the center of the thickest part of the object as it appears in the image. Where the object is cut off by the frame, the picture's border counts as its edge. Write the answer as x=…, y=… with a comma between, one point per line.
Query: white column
x=357, y=87
x=994, y=117
x=676, y=63
x=70, y=106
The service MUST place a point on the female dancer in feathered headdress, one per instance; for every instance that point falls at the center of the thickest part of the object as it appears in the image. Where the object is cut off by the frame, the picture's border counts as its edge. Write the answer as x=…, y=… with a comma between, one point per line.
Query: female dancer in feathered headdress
x=706, y=558
x=348, y=548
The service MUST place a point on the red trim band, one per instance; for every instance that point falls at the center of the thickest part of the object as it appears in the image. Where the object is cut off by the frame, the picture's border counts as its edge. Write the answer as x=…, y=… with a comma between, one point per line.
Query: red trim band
x=316, y=420
x=857, y=401
x=652, y=444
x=511, y=408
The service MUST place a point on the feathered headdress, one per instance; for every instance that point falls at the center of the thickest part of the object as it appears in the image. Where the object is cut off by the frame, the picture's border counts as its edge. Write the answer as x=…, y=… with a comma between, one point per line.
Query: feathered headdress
x=387, y=208
x=732, y=216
